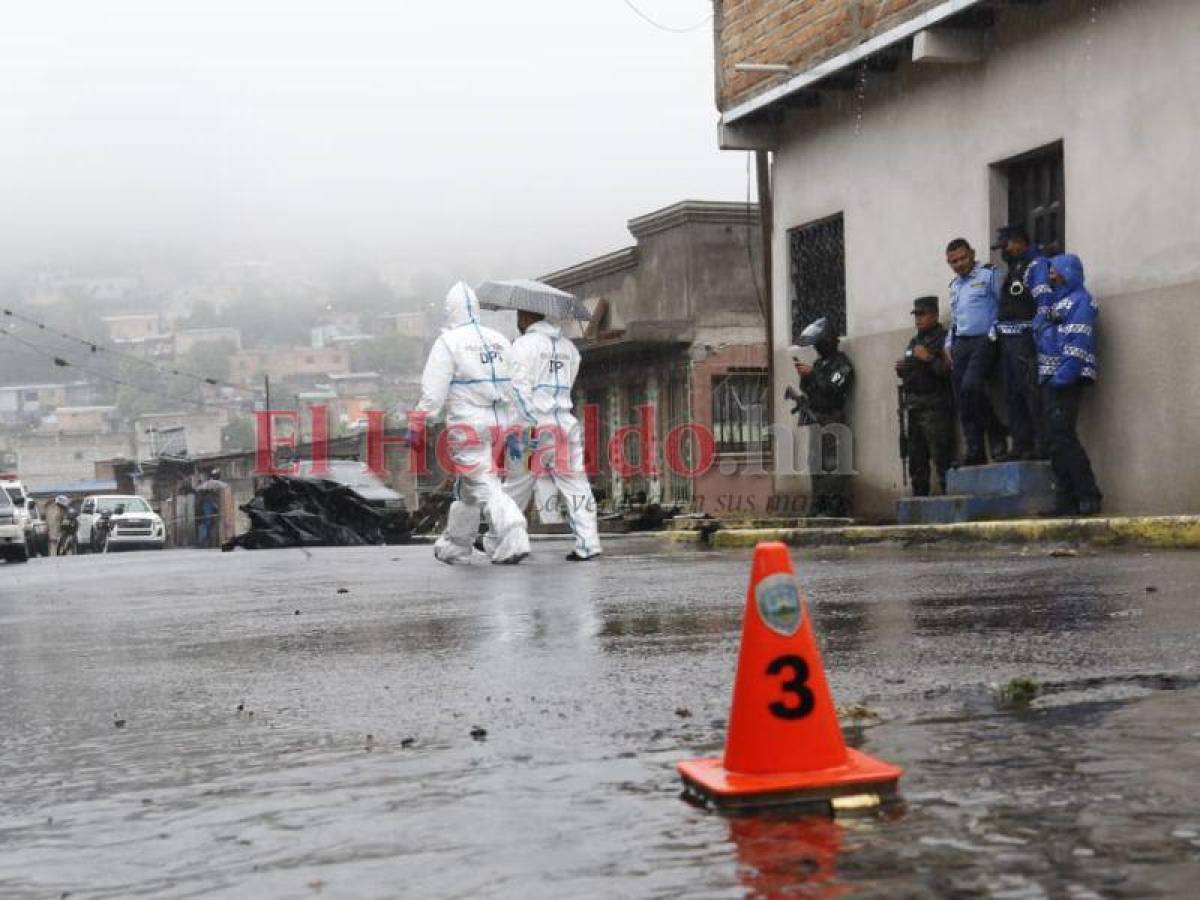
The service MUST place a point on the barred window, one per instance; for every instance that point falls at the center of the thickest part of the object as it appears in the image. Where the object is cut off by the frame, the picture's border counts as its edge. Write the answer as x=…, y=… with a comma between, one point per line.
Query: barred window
x=739, y=411
x=817, y=256
x=1037, y=196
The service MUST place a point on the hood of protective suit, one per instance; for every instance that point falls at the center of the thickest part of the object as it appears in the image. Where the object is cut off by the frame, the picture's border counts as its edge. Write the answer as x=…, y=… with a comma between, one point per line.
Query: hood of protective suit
x=549, y=327
x=1070, y=267
x=461, y=306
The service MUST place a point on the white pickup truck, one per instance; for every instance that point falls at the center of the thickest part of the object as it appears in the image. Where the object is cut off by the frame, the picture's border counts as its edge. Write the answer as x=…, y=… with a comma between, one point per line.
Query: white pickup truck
x=12, y=530
x=131, y=524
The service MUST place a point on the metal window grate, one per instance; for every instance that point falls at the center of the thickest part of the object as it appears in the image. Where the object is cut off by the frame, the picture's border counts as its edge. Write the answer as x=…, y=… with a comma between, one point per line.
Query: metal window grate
x=1037, y=197
x=739, y=411
x=817, y=255
x=677, y=411
x=637, y=486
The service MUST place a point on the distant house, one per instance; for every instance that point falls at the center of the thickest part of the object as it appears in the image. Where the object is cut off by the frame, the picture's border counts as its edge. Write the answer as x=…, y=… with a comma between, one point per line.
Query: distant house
x=52, y=459
x=895, y=127
x=356, y=384
x=81, y=420
x=187, y=338
x=27, y=403
x=334, y=325
x=288, y=362
x=132, y=327
x=414, y=325
x=678, y=328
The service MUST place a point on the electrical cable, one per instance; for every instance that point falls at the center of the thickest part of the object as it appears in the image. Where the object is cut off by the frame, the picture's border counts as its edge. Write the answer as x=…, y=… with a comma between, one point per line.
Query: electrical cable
x=97, y=347
x=669, y=28
x=65, y=363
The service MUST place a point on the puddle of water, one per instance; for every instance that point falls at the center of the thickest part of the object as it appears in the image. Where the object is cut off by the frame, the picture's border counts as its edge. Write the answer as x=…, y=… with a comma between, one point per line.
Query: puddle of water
x=572, y=792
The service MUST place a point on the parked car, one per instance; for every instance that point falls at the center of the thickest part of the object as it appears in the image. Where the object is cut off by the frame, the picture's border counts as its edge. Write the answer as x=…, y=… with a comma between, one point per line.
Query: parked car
x=12, y=531
x=356, y=476
x=16, y=494
x=37, y=530
x=118, y=522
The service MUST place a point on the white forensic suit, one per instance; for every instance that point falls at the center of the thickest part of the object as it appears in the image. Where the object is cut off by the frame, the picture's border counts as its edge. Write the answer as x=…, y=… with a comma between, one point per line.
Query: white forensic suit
x=467, y=375
x=544, y=366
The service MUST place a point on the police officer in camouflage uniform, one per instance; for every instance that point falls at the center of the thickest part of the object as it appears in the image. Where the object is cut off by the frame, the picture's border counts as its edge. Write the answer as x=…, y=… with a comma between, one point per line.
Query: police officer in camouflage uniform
x=826, y=385
x=1025, y=284
x=928, y=398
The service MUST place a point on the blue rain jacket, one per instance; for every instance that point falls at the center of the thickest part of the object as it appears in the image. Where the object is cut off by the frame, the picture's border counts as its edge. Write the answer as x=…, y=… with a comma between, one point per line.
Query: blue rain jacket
x=1065, y=328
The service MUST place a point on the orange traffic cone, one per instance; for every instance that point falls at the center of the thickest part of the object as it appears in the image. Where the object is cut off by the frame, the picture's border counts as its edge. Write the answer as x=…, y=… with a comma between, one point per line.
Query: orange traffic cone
x=784, y=744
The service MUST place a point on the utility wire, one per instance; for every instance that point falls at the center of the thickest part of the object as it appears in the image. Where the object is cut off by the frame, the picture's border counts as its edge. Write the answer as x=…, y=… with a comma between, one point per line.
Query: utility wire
x=669, y=28
x=65, y=363
x=97, y=347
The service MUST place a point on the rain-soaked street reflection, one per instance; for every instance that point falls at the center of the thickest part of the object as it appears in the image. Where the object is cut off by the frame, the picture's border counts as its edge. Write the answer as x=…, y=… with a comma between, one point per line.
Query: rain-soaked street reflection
x=232, y=724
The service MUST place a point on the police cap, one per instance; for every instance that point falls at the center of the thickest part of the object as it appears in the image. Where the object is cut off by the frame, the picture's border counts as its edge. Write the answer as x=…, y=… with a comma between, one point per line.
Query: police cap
x=924, y=305
x=1006, y=233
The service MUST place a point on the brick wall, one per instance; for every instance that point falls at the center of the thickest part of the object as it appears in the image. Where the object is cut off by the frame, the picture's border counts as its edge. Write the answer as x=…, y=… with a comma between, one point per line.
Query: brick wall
x=800, y=33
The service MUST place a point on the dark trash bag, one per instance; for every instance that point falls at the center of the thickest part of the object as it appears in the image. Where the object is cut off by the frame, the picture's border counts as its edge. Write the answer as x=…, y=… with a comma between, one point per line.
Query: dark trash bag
x=300, y=512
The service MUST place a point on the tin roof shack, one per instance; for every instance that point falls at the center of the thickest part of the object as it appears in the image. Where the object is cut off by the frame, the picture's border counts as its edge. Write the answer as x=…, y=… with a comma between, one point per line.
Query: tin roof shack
x=678, y=331
x=898, y=126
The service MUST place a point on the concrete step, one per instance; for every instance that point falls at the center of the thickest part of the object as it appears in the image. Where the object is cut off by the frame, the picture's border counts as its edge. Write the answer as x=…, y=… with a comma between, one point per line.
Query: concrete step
x=1002, y=479
x=972, y=508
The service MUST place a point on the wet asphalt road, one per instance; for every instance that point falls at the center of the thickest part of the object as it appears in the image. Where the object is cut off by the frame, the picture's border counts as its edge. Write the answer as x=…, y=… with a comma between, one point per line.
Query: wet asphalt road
x=281, y=738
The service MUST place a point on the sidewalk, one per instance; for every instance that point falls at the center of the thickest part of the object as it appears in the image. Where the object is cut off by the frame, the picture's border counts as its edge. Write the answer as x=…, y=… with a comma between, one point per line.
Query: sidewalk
x=1159, y=532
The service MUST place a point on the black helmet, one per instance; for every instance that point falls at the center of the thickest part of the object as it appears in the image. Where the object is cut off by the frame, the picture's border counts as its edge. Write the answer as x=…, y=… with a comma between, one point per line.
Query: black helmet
x=818, y=332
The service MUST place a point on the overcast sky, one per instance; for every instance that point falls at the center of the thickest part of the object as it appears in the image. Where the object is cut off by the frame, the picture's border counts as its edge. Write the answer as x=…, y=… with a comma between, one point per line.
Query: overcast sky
x=514, y=136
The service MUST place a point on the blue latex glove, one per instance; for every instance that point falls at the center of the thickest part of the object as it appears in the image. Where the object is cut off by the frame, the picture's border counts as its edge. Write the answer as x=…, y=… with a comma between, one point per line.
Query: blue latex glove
x=515, y=445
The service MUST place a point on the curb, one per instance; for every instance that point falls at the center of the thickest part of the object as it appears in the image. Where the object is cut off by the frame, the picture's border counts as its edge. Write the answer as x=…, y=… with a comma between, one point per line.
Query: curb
x=1158, y=532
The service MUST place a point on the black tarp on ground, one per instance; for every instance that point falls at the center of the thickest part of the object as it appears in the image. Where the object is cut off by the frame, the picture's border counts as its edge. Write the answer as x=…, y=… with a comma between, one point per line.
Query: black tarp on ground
x=297, y=512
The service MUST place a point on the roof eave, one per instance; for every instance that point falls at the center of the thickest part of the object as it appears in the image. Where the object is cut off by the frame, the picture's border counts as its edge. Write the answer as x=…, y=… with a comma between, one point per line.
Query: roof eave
x=809, y=78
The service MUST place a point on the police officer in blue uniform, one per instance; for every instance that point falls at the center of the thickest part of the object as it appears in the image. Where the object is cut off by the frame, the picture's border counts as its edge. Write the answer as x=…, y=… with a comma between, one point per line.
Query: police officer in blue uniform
x=971, y=343
x=1026, y=282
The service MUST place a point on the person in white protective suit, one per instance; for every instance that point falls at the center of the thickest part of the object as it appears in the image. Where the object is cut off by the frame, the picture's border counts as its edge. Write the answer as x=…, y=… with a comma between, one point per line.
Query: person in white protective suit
x=467, y=374
x=544, y=366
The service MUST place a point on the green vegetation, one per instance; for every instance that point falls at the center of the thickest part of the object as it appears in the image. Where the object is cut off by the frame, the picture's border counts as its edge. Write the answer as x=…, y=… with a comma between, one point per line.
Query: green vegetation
x=1018, y=693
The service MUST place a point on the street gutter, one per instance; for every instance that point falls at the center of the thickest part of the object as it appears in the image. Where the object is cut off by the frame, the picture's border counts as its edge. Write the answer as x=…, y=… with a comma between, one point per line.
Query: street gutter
x=1154, y=532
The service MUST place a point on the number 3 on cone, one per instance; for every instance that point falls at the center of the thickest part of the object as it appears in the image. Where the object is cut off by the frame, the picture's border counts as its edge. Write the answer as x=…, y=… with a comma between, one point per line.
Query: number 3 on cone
x=796, y=685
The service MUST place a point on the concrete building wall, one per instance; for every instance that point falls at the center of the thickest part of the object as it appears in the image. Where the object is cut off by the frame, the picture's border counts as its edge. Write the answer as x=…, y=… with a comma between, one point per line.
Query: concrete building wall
x=59, y=458
x=188, y=338
x=908, y=160
x=202, y=432
x=83, y=419
x=283, y=363
x=131, y=327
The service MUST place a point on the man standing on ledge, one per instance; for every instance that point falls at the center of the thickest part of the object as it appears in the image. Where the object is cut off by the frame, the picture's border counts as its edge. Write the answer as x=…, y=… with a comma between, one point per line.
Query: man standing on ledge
x=1025, y=285
x=1066, y=341
x=928, y=399
x=974, y=305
